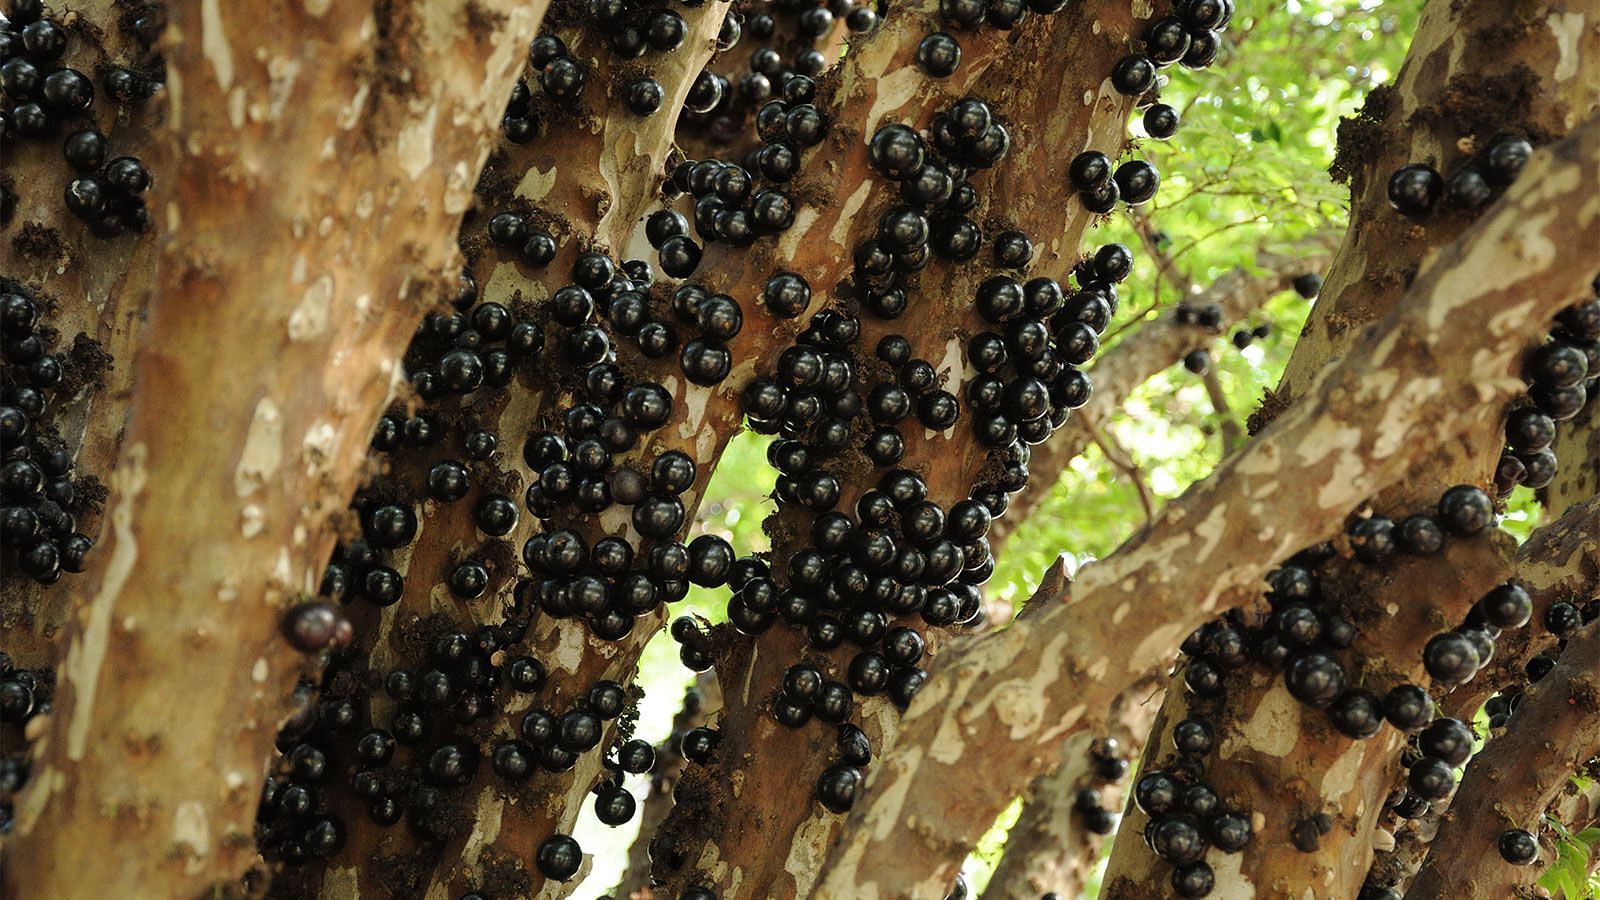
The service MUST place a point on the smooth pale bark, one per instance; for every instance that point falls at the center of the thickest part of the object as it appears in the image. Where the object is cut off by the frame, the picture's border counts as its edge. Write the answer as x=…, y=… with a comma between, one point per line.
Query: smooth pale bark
x=1444, y=363
x=310, y=182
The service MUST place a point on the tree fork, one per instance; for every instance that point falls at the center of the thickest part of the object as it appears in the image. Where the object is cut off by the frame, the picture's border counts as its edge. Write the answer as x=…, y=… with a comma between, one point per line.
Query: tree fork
x=727, y=842
x=1040, y=680
x=1050, y=848
x=1144, y=351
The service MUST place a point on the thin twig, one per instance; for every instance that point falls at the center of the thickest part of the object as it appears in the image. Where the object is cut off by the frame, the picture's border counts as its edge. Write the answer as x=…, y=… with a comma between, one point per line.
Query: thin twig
x=1118, y=456
x=1232, y=435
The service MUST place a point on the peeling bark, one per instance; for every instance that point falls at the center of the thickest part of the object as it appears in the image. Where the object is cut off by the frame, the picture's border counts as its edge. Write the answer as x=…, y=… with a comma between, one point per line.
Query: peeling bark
x=351, y=168
x=98, y=287
x=1049, y=849
x=1443, y=363
x=1281, y=762
x=1511, y=782
x=757, y=796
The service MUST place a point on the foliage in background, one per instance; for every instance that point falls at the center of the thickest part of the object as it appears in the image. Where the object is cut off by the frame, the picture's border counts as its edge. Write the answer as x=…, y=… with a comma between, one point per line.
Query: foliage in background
x=1246, y=172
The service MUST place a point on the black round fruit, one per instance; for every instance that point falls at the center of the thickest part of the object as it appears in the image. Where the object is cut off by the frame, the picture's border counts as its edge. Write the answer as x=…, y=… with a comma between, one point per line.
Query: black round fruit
x=1518, y=847
x=1414, y=189
x=559, y=857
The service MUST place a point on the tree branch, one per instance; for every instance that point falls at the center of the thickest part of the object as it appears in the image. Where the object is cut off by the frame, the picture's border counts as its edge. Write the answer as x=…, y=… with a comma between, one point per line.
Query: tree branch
x=1464, y=323
x=1156, y=346
x=1119, y=457
x=1049, y=849
x=262, y=367
x=1511, y=782
x=1232, y=434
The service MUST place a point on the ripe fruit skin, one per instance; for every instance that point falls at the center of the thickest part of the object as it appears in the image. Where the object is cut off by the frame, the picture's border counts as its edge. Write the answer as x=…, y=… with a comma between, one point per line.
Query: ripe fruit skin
x=1161, y=121
x=1430, y=778
x=1450, y=658
x=1518, y=847
x=1133, y=75
x=1505, y=156
x=837, y=787
x=1315, y=679
x=1229, y=832
x=1357, y=713
x=1193, y=879
x=1414, y=189
x=1562, y=619
x=1137, y=181
x=1156, y=793
x=1465, y=509
x=938, y=55
x=1176, y=839
x=1447, y=739
x=559, y=857
x=1506, y=606
x=1089, y=170
x=1408, y=707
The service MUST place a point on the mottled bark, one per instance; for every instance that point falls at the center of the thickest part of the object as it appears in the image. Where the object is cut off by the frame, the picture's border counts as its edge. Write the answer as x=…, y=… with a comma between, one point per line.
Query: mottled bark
x=1577, y=446
x=96, y=288
x=759, y=793
x=1049, y=849
x=1475, y=69
x=1138, y=356
x=1325, y=773
x=1510, y=783
x=1559, y=562
x=1445, y=362
x=345, y=153
x=592, y=174
x=1280, y=760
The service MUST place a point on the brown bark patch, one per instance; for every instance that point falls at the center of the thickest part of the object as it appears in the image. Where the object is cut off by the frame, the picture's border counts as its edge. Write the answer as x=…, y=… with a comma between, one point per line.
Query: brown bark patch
x=1360, y=136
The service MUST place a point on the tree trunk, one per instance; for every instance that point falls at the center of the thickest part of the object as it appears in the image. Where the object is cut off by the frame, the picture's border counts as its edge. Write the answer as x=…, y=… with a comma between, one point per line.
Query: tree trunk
x=1371, y=418
x=95, y=289
x=730, y=843
x=1050, y=848
x=250, y=413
